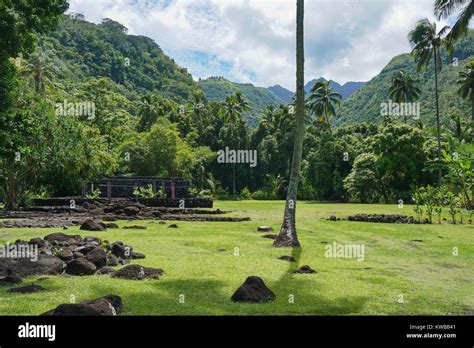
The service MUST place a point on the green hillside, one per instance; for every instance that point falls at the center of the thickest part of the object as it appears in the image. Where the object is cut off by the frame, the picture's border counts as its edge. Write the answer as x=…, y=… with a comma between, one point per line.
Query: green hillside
x=85, y=50
x=217, y=89
x=364, y=105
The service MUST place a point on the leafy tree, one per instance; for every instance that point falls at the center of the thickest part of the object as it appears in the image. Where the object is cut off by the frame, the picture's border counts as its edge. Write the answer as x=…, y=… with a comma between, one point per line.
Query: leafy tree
x=427, y=42
x=21, y=21
x=362, y=184
x=404, y=89
x=466, y=82
x=287, y=236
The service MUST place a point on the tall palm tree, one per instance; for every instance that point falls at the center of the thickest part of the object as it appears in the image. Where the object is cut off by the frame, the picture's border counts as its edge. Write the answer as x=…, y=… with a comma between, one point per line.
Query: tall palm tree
x=240, y=100
x=404, y=89
x=322, y=101
x=426, y=43
x=466, y=81
x=231, y=113
x=40, y=69
x=148, y=111
x=445, y=8
x=287, y=236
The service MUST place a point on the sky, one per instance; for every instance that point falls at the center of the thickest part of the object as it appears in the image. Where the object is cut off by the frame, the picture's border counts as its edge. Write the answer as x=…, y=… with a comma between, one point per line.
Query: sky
x=253, y=41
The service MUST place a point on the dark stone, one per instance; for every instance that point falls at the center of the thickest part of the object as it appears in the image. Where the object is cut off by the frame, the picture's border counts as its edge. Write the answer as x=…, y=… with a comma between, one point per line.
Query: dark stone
x=173, y=226
x=287, y=258
x=28, y=289
x=91, y=225
x=162, y=222
x=122, y=251
x=107, y=305
x=332, y=218
x=66, y=255
x=253, y=290
x=109, y=218
x=98, y=257
x=105, y=270
x=137, y=272
x=92, y=240
x=304, y=270
x=9, y=280
x=131, y=210
x=269, y=236
x=137, y=256
x=61, y=237
x=80, y=267
x=39, y=242
x=111, y=225
x=112, y=260
x=23, y=267
x=77, y=254
x=264, y=229
x=134, y=227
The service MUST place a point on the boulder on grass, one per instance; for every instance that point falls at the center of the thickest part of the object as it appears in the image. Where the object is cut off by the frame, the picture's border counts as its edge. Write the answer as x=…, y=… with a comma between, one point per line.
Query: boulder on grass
x=137, y=256
x=111, y=225
x=131, y=210
x=10, y=280
x=91, y=225
x=97, y=256
x=107, y=305
x=122, y=251
x=28, y=289
x=137, y=272
x=23, y=267
x=112, y=260
x=173, y=226
x=59, y=237
x=80, y=267
x=270, y=236
x=253, y=290
x=264, y=229
x=304, y=270
x=287, y=258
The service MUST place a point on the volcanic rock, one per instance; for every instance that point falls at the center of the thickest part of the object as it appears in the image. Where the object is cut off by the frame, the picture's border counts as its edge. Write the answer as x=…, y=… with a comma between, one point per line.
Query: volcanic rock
x=253, y=290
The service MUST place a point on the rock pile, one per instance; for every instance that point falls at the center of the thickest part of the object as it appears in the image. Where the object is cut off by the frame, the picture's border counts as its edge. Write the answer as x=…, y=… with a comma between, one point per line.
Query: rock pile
x=382, y=218
x=72, y=254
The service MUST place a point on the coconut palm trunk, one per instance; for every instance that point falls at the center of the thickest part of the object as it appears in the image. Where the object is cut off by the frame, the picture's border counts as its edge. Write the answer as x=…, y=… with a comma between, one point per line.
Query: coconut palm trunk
x=287, y=236
x=435, y=53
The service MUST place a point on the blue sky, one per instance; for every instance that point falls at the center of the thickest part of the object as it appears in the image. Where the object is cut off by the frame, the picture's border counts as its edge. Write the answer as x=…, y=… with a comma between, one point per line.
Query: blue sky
x=254, y=40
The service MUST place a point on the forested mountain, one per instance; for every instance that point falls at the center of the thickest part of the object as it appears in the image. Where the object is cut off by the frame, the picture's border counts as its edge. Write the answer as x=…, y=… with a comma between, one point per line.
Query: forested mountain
x=345, y=90
x=217, y=89
x=85, y=50
x=285, y=95
x=365, y=104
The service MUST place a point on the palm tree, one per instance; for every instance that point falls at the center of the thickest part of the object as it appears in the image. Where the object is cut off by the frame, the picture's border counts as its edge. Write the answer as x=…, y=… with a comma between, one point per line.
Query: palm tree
x=41, y=70
x=404, y=90
x=241, y=102
x=231, y=113
x=466, y=81
x=445, y=8
x=148, y=110
x=322, y=101
x=426, y=42
x=287, y=236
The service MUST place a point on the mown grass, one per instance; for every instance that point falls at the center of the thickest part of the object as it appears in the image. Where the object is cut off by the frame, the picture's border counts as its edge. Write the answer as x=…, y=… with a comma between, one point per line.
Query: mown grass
x=430, y=278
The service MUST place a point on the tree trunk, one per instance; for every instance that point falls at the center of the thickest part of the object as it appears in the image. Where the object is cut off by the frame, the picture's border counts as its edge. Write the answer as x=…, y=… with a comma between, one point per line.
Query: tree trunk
x=437, y=113
x=287, y=236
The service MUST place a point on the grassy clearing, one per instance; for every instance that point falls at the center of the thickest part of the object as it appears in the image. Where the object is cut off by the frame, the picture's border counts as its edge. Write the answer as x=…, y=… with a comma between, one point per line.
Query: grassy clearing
x=431, y=279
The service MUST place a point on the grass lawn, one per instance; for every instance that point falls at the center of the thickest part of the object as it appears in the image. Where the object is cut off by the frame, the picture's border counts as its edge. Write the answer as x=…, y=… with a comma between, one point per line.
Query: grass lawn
x=431, y=280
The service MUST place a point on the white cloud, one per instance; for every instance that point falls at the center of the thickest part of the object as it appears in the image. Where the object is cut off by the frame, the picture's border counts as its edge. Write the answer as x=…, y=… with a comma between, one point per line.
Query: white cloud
x=209, y=36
